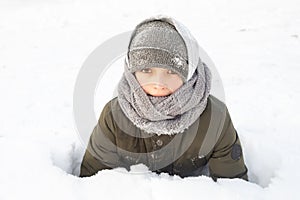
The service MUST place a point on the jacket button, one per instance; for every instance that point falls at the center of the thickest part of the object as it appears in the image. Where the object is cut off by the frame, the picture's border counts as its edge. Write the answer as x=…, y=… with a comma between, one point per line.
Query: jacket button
x=159, y=142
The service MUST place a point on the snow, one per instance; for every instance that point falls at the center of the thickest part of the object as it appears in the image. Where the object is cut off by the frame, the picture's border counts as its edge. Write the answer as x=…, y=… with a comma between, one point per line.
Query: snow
x=255, y=46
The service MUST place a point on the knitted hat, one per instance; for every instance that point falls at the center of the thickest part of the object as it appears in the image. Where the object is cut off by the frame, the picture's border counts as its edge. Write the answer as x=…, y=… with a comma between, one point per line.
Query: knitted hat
x=158, y=44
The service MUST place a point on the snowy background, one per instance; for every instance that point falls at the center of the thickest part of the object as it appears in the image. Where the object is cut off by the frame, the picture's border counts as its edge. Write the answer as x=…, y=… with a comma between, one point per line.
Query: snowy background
x=254, y=44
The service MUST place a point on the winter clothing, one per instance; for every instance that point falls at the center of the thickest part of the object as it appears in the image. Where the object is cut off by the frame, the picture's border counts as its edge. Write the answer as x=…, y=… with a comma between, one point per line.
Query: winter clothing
x=188, y=132
x=117, y=142
x=176, y=112
x=154, y=42
x=169, y=114
x=158, y=44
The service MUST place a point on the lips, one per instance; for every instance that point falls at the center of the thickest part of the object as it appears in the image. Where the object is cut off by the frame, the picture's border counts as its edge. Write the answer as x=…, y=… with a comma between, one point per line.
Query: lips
x=157, y=90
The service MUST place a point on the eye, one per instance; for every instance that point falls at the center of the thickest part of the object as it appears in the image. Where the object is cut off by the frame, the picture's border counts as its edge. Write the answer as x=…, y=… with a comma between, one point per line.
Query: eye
x=171, y=72
x=146, y=70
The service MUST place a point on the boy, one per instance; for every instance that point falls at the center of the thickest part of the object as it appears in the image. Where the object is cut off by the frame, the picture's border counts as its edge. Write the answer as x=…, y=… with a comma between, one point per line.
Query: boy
x=164, y=116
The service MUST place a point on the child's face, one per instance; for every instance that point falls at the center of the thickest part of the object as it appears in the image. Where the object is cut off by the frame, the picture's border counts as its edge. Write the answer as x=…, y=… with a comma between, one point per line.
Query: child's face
x=158, y=81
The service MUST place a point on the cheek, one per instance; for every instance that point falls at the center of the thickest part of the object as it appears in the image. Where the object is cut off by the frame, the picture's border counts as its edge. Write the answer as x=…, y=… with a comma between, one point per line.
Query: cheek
x=142, y=78
x=175, y=84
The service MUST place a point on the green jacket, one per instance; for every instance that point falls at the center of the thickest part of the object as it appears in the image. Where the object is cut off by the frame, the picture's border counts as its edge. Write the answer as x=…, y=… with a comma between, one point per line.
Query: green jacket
x=210, y=146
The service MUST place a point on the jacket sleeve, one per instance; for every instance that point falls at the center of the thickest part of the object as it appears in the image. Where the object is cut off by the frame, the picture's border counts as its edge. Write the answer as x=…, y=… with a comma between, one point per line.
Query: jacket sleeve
x=227, y=159
x=101, y=152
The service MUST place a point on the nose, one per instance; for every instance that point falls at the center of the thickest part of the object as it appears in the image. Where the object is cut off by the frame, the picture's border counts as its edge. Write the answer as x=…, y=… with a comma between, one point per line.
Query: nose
x=159, y=90
x=159, y=87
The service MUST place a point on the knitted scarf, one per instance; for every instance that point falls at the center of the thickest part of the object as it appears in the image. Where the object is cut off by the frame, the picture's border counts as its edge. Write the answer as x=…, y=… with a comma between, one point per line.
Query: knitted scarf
x=168, y=114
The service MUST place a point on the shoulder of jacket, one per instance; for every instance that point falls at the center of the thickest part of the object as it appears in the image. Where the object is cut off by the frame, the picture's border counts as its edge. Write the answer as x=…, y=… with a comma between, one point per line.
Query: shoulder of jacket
x=112, y=115
x=219, y=113
x=109, y=107
x=106, y=116
x=216, y=104
x=216, y=116
x=226, y=132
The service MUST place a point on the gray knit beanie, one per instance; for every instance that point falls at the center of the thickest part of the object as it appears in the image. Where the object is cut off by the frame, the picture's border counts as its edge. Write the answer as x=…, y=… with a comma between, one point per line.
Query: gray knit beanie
x=158, y=44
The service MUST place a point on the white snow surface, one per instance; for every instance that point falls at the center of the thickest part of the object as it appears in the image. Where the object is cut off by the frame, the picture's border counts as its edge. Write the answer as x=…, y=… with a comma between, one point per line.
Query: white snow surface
x=255, y=45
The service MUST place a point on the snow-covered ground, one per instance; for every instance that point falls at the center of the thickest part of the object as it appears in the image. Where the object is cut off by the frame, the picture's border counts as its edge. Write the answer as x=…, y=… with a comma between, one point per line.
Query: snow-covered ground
x=254, y=44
